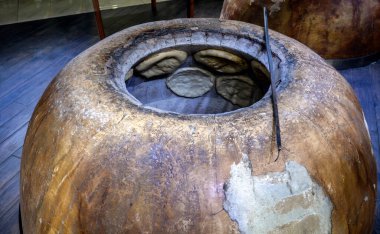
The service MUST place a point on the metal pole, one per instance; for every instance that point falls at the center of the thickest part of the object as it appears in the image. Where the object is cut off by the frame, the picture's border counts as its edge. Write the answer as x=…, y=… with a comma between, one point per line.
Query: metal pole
x=273, y=85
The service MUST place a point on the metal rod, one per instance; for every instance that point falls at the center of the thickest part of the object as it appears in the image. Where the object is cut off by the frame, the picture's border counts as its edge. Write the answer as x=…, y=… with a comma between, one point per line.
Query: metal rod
x=273, y=85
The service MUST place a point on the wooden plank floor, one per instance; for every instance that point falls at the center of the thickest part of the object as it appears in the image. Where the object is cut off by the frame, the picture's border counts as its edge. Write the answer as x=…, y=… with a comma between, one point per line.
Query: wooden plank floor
x=31, y=54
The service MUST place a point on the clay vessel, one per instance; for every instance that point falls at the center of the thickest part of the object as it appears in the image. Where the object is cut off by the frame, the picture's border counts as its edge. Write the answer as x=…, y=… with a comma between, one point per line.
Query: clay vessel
x=98, y=160
x=334, y=29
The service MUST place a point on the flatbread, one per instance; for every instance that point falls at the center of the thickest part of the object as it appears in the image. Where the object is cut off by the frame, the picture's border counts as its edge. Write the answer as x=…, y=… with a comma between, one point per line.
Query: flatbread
x=190, y=82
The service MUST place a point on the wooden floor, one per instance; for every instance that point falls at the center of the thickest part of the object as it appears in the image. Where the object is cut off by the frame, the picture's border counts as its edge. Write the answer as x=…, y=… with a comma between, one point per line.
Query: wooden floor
x=31, y=54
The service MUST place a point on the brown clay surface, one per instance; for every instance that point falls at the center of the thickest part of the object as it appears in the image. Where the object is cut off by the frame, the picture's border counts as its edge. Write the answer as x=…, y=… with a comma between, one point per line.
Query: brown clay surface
x=336, y=29
x=95, y=161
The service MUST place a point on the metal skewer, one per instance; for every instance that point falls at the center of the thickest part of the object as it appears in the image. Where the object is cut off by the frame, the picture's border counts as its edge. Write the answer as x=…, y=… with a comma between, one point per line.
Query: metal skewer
x=273, y=85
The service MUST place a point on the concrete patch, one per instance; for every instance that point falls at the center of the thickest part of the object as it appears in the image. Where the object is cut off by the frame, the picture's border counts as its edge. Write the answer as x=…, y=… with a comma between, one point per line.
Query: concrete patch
x=282, y=202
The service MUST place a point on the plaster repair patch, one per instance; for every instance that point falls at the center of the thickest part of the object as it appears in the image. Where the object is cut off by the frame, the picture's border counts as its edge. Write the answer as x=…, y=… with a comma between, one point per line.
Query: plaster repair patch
x=281, y=202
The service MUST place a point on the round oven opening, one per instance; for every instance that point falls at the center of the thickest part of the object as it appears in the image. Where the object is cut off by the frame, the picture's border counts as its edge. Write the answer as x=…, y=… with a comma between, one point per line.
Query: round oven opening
x=198, y=80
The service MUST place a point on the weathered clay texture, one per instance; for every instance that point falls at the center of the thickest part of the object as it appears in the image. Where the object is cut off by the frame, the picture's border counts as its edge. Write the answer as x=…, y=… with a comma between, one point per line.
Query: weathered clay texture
x=96, y=160
x=336, y=29
x=190, y=82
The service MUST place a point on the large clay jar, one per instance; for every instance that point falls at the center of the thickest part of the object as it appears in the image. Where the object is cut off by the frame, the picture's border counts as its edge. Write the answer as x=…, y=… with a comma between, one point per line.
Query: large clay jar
x=334, y=29
x=98, y=160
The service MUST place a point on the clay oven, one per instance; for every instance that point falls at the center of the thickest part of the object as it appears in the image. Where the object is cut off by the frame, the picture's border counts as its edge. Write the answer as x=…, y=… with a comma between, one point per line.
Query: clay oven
x=167, y=127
